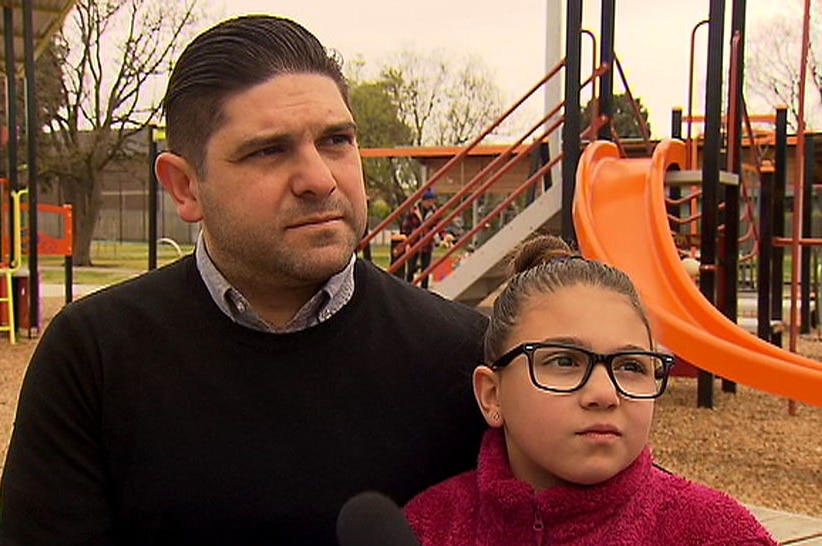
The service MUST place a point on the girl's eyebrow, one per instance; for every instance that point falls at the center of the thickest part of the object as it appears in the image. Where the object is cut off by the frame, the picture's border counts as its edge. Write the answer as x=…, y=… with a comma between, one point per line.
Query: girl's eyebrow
x=577, y=342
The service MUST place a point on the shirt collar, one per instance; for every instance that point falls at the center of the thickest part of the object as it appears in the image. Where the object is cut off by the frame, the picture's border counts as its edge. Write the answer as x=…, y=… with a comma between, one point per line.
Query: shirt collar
x=332, y=297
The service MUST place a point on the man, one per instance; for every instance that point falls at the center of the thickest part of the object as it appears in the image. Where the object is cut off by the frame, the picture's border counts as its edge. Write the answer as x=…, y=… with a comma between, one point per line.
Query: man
x=241, y=395
x=412, y=221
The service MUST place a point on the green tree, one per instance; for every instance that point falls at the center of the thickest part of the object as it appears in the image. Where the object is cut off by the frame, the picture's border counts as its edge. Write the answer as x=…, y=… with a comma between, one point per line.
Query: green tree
x=624, y=119
x=112, y=51
x=380, y=126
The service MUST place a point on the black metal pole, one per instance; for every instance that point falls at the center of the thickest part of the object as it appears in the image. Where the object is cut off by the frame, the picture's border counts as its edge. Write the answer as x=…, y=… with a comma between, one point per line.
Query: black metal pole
x=572, y=125
x=675, y=192
x=807, y=230
x=780, y=183
x=11, y=116
x=153, y=187
x=32, y=129
x=763, y=285
x=606, y=56
x=710, y=176
x=732, y=191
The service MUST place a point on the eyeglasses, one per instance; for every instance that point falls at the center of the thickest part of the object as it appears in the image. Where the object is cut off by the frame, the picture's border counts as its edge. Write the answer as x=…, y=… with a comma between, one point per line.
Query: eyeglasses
x=560, y=368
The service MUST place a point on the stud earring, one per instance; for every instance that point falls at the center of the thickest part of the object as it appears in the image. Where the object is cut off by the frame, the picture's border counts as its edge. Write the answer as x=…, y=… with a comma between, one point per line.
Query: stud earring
x=495, y=416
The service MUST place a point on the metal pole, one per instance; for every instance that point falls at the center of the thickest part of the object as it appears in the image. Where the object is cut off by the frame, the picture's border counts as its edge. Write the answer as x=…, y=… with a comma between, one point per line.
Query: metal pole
x=780, y=183
x=732, y=191
x=807, y=232
x=153, y=187
x=571, y=128
x=675, y=192
x=32, y=130
x=764, y=281
x=606, y=56
x=11, y=115
x=710, y=176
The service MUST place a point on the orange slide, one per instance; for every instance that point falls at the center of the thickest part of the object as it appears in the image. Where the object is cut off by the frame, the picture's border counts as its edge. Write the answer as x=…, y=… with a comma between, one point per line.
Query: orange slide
x=620, y=218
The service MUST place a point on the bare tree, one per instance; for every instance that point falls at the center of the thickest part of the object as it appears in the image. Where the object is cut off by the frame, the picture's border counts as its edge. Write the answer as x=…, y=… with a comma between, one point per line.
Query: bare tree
x=473, y=102
x=112, y=52
x=773, y=64
x=442, y=104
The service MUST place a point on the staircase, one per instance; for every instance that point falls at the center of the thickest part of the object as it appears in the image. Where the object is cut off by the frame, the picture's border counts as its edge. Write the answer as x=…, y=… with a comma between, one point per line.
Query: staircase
x=483, y=271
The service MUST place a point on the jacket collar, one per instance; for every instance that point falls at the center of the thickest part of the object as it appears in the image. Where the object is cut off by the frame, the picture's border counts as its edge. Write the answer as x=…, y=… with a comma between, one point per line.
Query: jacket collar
x=509, y=503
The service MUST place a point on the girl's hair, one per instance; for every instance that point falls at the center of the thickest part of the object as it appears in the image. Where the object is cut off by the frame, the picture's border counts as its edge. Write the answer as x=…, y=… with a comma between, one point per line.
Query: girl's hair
x=542, y=265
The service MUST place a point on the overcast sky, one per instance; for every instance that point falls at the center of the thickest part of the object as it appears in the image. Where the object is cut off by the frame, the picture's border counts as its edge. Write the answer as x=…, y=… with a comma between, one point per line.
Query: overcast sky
x=652, y=36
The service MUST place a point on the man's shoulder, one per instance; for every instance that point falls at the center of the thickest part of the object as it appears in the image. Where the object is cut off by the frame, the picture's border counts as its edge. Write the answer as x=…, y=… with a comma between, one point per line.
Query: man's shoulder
x=159, y=287
x=399, y=292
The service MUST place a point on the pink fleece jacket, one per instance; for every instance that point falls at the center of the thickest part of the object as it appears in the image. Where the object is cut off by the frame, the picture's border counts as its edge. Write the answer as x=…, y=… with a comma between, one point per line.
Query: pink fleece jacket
x=642, y=505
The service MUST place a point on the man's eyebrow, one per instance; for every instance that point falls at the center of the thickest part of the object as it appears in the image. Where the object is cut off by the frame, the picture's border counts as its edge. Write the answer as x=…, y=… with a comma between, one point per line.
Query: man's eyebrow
x=258, y=143
x=284, y=139
x=343, y=127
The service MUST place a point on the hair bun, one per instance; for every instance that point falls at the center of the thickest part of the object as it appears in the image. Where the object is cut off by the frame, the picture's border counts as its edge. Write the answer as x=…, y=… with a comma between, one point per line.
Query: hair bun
x=536, y=251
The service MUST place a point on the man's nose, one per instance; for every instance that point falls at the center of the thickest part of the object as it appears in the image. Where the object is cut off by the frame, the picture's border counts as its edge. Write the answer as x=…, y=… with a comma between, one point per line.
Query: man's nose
x=312, y=175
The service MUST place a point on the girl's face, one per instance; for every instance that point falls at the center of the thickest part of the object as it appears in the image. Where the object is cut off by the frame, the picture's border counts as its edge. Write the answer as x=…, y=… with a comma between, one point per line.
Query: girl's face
x=584, y=437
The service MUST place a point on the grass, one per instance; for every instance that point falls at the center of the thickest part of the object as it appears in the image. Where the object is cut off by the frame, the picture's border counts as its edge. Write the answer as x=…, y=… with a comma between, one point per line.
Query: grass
x=113, y=262
x=116, y=261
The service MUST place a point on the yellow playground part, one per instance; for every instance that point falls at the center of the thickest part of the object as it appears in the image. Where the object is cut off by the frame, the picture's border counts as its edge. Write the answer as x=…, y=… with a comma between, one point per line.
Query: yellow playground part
x=8, y=269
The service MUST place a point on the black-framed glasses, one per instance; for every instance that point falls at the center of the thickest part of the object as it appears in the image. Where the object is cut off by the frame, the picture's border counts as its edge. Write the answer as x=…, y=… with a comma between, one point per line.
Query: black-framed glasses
x=561, y=368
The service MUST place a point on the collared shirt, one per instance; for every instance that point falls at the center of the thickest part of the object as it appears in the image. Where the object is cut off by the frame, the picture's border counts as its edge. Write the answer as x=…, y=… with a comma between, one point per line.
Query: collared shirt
x=334, y=294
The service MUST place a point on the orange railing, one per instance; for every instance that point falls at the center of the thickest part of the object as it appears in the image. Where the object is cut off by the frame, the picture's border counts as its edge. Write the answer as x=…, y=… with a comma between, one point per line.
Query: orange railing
x=480, y=184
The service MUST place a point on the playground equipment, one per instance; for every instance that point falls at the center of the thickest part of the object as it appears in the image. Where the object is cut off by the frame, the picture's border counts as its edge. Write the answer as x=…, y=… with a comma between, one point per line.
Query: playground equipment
x=54, y=239
x=9, y=268
x=621, y=218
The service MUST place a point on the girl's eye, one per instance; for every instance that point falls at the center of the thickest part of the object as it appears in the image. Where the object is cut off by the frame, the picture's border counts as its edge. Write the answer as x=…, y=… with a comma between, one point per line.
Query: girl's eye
x=562, y=361
x=631, y=365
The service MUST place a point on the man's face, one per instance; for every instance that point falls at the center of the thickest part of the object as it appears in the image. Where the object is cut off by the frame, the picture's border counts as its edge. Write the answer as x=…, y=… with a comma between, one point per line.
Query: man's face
x=283, y=200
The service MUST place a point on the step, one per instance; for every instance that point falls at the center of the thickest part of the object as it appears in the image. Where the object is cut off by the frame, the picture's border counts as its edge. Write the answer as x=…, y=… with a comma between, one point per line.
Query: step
x=692, y=177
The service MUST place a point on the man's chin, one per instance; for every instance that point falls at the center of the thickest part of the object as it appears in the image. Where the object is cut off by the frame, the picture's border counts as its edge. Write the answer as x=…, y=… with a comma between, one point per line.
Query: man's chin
x=319, y=264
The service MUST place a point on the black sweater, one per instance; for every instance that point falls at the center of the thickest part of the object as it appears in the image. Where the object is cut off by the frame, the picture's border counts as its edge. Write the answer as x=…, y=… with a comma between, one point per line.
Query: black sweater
x=147, y=416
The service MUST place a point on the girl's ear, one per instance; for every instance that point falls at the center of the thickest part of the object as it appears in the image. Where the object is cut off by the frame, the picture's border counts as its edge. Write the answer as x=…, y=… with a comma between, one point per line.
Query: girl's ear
x=486, y=391
x=180, y=180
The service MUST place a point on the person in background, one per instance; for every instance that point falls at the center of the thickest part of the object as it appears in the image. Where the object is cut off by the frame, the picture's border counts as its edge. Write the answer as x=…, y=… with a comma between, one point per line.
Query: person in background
x=419, y=261
x=243, y=393
x=568, y=394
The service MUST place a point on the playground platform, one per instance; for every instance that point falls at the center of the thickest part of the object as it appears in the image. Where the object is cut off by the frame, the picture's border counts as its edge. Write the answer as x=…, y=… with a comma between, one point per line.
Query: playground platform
x=788, y=528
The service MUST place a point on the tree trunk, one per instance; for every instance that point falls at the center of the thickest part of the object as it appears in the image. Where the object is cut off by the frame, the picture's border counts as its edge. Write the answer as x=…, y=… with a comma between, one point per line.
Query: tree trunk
x=86, y=199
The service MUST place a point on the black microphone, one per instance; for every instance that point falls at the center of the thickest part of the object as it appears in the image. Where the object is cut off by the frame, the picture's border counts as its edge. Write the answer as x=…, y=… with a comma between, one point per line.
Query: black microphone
x=372, y=519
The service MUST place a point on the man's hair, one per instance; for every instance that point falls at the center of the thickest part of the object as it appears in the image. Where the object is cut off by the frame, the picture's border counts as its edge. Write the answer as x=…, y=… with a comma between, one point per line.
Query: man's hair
x=227, y=59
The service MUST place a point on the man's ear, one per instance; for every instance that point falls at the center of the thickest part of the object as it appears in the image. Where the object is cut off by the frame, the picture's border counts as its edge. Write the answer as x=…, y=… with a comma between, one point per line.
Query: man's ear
x=486, y=391
x=179, y=178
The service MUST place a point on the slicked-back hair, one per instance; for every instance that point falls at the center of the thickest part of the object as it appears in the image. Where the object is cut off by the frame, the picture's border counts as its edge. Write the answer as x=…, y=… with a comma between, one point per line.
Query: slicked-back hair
x=229, y=58
x=543, y=265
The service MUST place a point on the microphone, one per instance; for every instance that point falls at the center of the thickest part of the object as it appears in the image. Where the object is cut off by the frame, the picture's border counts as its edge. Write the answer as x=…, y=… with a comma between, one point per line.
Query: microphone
x=372, y=519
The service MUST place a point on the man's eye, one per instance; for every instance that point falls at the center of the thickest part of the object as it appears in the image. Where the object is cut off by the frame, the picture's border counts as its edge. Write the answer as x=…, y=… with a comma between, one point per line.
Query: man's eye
x=267, y=152
x=341, y=139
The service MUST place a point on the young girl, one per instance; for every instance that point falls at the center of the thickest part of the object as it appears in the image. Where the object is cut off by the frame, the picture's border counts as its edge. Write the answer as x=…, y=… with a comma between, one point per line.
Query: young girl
x=569, y=395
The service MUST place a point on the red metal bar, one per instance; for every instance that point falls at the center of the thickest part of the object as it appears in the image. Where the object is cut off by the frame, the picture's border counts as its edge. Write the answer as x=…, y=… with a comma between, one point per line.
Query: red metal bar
x=457, y=158
x=494, y=213
x=643, y=125
x=799, y=180
x=690, y=159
